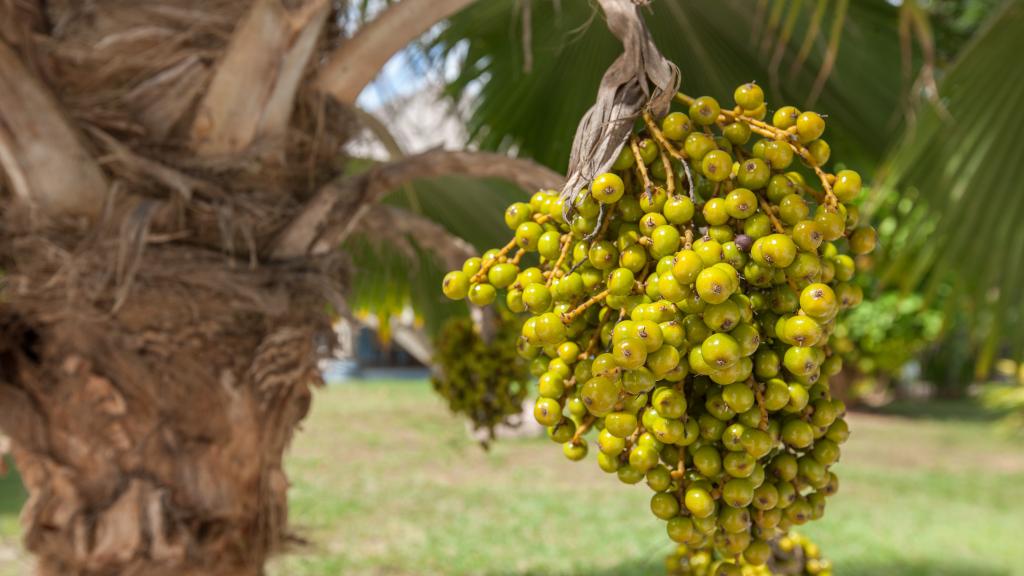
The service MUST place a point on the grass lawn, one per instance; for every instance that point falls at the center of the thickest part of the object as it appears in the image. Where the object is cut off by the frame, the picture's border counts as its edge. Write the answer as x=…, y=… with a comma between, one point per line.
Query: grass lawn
x=386, y=482
x=12, y=496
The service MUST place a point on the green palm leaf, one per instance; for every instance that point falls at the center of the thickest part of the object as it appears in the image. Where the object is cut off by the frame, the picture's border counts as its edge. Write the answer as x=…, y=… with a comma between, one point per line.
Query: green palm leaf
x=388, y=279
x=963, y=164
x=395, y=272
x=470, y=208
x=536, y=112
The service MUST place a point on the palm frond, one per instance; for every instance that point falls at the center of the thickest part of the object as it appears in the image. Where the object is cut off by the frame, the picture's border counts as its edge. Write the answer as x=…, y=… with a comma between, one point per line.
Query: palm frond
x=395, y=271
x=470, y=208
x=536, y=113
x=963, y=164
x=388, y=279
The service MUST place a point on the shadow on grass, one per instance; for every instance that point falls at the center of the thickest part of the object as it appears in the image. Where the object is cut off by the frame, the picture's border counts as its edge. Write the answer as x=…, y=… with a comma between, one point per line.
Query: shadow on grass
x=943, y=410
x=12, y=493
x=655, y=567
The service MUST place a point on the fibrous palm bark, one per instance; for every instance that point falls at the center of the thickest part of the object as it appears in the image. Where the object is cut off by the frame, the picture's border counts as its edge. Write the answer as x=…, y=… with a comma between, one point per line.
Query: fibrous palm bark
x=172, y=213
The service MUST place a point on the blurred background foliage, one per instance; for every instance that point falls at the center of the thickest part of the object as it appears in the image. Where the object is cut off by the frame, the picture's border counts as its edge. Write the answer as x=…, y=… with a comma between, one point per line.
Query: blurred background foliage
x=921, y=96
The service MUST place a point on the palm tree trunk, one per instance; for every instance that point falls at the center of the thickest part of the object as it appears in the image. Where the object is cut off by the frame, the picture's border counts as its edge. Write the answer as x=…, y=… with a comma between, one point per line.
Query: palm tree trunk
x=170, y=219
x=151, y=441
x=154, y=366
x=152, y=370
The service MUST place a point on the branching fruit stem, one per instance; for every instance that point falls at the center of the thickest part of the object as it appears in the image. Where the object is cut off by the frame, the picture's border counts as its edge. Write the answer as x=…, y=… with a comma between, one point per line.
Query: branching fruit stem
x=767, y=130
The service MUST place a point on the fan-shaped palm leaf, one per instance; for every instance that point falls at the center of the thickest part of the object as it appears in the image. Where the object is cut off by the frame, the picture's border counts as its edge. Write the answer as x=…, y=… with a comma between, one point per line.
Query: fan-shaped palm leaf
x=964, y=164
x=711, y=41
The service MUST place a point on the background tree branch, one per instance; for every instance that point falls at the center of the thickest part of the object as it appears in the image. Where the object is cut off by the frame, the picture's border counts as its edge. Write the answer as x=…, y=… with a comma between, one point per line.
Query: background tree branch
x=331, y=215
x=386, y=222
x=356, y=62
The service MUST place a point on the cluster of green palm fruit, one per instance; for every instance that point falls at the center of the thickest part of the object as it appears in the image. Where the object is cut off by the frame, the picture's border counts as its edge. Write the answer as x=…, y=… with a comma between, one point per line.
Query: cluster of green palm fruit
x=793, y=554
x=485, y=381
x=680, y=309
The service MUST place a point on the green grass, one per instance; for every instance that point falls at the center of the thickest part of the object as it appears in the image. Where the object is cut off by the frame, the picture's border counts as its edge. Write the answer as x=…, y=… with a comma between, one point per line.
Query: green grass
x=386, y=482
x=12, y=496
